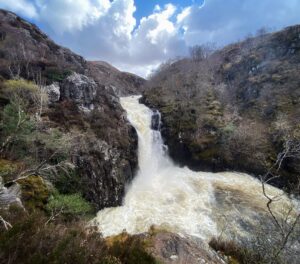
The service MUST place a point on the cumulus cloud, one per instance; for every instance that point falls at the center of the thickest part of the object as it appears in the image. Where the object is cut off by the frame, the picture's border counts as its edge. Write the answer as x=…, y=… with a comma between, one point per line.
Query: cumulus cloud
x=22, y=7
x=116, y=38
x=65, y=15
x=108, y=30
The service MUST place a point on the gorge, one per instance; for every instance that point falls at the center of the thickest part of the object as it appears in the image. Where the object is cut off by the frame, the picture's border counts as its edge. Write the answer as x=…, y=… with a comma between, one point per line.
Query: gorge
x=179, y=200
x=199, y=163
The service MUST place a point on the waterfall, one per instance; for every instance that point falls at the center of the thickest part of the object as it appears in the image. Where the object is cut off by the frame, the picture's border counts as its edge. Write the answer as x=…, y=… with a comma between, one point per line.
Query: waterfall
x=179, y=200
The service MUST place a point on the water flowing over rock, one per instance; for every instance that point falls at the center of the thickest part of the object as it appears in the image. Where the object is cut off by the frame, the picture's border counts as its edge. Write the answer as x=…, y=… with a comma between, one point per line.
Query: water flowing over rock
x=185, y=202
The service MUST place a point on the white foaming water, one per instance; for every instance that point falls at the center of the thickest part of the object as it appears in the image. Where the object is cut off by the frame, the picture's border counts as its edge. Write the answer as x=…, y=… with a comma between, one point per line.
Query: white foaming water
x=180, y=200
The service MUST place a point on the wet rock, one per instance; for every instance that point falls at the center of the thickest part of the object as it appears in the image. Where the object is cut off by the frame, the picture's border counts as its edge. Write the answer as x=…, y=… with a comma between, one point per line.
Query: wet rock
x=105, y=170
x=173, y=249
x=155, y=120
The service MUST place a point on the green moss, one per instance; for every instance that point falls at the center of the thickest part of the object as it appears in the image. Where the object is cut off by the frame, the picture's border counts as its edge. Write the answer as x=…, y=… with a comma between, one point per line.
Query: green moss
x=35, y=192
x=130, y=249
x=7, y=169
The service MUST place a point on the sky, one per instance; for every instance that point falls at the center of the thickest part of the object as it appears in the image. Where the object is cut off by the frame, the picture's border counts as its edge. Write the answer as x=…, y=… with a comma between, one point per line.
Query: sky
x=136, y=36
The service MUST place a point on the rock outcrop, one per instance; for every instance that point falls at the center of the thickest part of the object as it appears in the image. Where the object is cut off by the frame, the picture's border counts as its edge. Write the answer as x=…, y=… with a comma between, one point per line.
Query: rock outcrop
x=10, y=195
x=170, y=248
x=79, y=89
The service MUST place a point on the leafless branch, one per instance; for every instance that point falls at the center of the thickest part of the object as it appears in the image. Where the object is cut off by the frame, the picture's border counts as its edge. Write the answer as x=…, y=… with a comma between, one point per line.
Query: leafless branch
x=54, y=215
x=6, y=224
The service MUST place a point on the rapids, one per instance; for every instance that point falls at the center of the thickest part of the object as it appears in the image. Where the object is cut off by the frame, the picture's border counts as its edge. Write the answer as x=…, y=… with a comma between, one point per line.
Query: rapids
x=179, y=200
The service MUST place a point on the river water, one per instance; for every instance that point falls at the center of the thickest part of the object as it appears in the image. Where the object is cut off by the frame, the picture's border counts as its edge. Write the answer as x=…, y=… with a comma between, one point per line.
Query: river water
x=179, y=200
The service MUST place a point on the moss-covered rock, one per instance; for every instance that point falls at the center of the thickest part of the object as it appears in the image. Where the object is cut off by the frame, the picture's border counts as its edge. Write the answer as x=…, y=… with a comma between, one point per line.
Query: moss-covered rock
x=35, y=192
x=8, y=169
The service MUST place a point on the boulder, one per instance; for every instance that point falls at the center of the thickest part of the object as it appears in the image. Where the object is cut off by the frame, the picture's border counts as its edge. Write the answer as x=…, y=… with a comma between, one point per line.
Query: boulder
x=53, y=92
x=80, y=89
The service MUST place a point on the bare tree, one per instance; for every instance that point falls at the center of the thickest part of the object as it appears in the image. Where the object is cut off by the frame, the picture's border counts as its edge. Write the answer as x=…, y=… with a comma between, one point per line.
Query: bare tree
x=286, y=226
x=6, y=224
x=202, y=52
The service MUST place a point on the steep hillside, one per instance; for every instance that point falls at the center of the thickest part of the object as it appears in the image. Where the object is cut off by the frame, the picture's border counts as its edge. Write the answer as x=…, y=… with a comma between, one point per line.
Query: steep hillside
x=123, y=83
x=82, y=105
x=235, y=109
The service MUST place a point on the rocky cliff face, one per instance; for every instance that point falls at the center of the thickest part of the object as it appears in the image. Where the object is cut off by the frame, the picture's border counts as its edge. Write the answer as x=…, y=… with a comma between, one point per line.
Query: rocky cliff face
x=82, y=102
x=236, y=109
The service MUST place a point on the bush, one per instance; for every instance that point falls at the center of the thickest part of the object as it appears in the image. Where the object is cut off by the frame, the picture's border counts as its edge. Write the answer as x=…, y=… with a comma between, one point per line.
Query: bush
x=35, y=192
x=16, y=129
x=31, y=240
x=71, y=205
x=235, y=253
x=21, y=89
x=54, y=74
x=130, y=249
x=69, y=183
x=8, y=169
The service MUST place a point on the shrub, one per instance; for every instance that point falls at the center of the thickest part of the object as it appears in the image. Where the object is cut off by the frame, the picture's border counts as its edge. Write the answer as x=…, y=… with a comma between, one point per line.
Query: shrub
x=68, y=182
x=71, y=205
x=235, y=253
x=56, y=75
x=35, y=192
x=130, y=249
x=21, y=89
x=16, y=128
x=31, y=240
x=7, y=169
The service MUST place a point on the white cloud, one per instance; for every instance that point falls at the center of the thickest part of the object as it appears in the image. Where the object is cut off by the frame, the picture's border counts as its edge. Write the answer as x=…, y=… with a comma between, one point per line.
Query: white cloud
x=22, y=7
x=107, y=30
x=156, y=39
x=184, y=14
x=66, y=15
x=114, y=38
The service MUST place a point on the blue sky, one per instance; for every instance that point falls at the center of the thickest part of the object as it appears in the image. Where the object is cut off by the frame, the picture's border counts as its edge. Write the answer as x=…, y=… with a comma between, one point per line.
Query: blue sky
x=136, y=35
x=146, y=7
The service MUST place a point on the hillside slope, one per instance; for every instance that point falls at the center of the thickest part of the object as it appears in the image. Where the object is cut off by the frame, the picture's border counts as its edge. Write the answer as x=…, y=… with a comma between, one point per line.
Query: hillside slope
x=83, y=105
x=235, y=109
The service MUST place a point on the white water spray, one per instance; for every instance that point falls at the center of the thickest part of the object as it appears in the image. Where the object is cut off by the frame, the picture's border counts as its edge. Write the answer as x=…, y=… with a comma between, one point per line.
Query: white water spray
x=179, y=200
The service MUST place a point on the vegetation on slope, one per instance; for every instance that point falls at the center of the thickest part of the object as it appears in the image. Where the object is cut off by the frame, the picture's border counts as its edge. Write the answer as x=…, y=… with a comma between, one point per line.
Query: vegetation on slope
x=236, y=108
x=49, y=226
